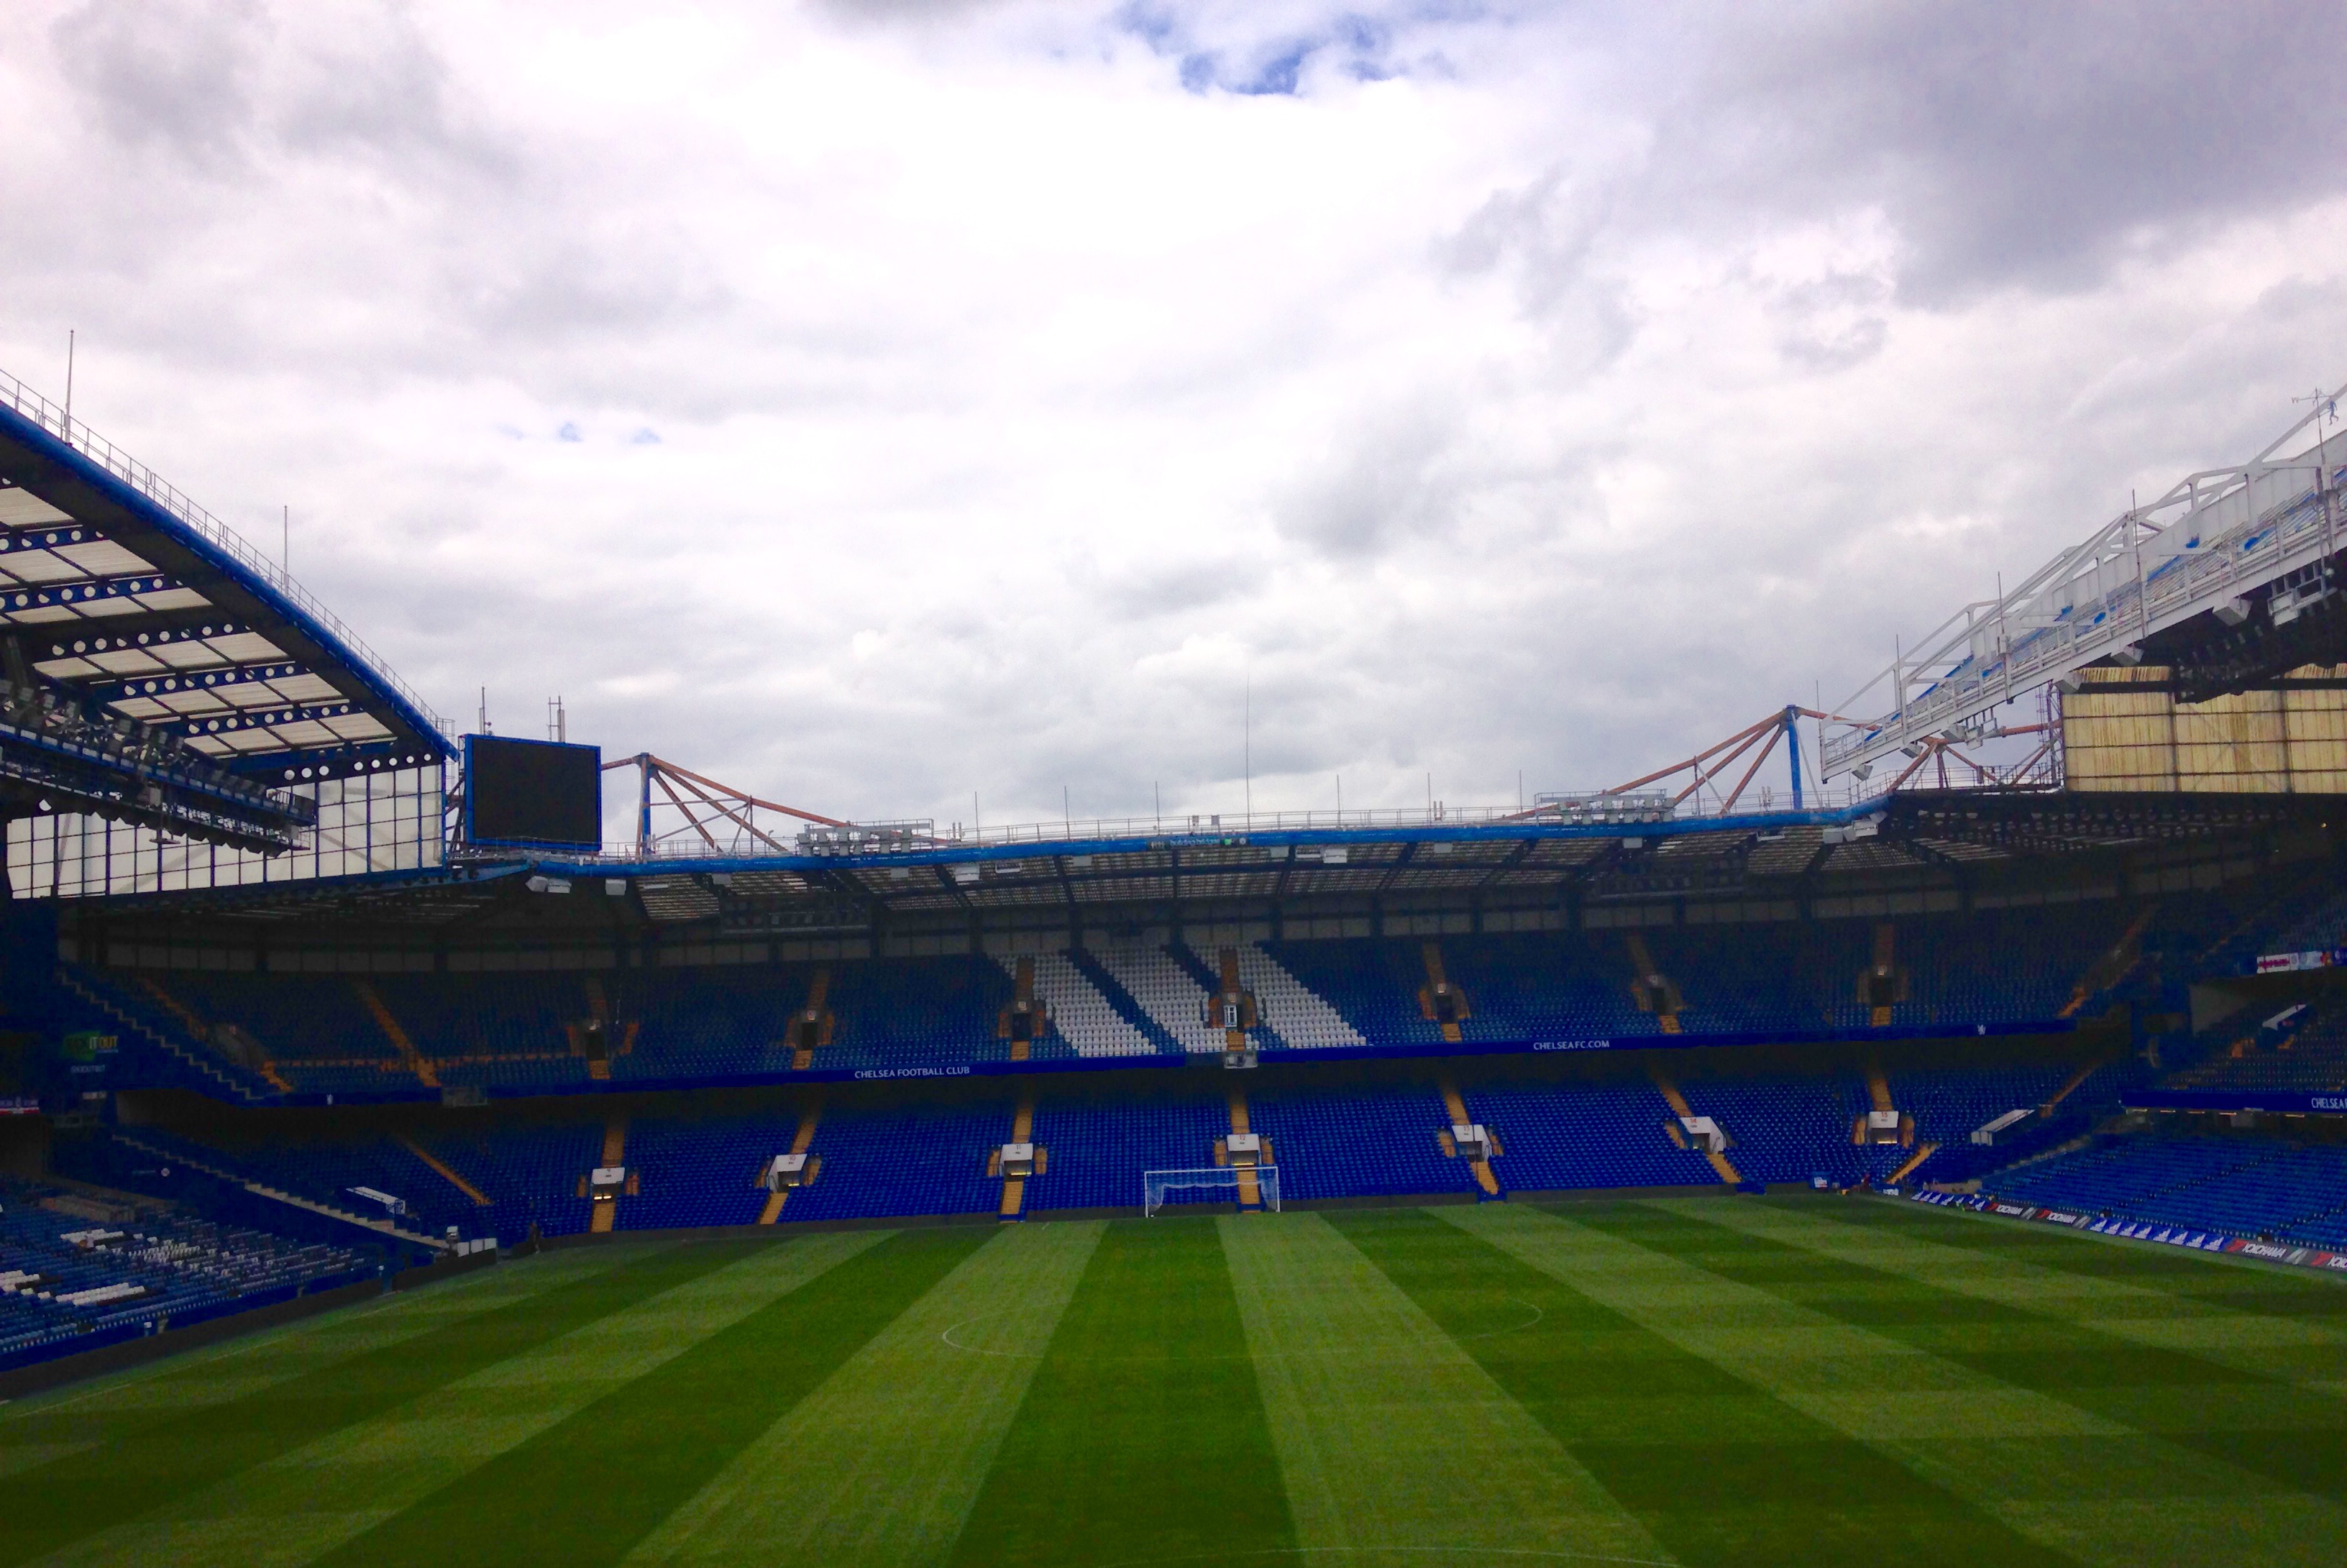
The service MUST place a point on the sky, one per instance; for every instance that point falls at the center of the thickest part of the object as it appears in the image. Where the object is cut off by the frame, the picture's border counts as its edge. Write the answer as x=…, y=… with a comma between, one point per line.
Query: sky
x=906, y=410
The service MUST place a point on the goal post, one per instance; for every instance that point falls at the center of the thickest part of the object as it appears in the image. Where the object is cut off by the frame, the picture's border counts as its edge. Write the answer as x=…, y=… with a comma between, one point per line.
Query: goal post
x=1229, y=1180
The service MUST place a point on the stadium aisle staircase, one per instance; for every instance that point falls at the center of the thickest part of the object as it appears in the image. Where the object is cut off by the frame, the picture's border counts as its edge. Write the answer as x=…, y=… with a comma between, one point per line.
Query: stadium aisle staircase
x=2085, y=1070
x=1022, y=1131
x=186, y=1016
x=1906, y=1167
x=598, y=1066
x=1436, y=984
x=1677, y=1101
x=187, y=1019
x=1655, y=993
x=2114, y=966
x=1459, y=1118
x=219, y=1169
x=1250, y=1190
x=1882, y=982
x=412, y=1059
x=447, y=1172
x=1023, y=1000
x=808, y=1121
x=615, y=1152
x=1878, y=1093
x=817, y=1013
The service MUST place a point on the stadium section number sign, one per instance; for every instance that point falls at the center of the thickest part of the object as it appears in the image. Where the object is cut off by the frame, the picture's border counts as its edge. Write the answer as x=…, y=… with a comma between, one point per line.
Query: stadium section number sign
x=533, y=795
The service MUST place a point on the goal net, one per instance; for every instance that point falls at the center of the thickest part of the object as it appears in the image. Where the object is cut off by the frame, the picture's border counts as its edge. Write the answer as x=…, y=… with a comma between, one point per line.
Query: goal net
x=1215, y=1183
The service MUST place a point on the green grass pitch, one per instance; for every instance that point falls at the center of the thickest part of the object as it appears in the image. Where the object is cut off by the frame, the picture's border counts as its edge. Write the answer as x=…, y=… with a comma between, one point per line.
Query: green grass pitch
x=1697, y=1380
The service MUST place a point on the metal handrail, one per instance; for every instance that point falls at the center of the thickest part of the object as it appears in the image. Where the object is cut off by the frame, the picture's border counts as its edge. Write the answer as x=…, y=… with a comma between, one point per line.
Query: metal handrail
x=1948, y=677
x=2248, y=555
x=77, y=435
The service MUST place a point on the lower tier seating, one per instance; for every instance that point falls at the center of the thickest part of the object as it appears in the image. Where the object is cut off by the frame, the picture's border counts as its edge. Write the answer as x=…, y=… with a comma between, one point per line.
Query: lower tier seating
x=1335, y=1130
x=70, y=1282
x=2264, y=1188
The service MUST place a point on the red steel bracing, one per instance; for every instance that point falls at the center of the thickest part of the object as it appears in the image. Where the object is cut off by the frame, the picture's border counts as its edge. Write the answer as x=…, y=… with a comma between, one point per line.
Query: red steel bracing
x=1696, y=762
x=1774, y=736
x=1937, y=749
x=1708, y=765
x=711, y=795
x=691, y=821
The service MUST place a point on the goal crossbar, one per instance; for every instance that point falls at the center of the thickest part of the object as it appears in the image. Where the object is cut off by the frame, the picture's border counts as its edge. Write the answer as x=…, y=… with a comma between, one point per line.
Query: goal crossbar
x=1233, y=1179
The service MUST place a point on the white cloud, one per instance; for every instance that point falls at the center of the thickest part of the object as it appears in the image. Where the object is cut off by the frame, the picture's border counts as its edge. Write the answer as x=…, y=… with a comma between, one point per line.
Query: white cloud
x=1552, y=391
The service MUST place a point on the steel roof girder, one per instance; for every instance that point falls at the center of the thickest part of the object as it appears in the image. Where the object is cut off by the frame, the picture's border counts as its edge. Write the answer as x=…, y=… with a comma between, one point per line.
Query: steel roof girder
x=62, y=535
x=349, y=759
x=216, y=678
x=68, y=591
x=94, y=483
x=141, y=629
x=194, y=777
x=268, y=718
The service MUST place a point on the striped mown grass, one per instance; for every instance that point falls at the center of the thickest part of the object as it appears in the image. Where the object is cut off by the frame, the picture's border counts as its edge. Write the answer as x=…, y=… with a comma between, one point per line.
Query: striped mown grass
x=1691, y=1380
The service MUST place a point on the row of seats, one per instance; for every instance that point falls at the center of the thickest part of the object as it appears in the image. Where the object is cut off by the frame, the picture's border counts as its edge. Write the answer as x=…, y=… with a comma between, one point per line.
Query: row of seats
x=1332, y=1140
x=68, y=1282
x=2293, y=1050
x=2254, y=1187
x=528, y=1032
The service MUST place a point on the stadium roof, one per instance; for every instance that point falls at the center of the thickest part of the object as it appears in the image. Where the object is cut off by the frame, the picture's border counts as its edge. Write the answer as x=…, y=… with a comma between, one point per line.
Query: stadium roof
x=1939, y=837
x=121, y=597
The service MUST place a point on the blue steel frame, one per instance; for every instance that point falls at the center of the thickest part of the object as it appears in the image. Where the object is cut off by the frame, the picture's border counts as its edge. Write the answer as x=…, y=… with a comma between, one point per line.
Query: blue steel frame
x=341, y=663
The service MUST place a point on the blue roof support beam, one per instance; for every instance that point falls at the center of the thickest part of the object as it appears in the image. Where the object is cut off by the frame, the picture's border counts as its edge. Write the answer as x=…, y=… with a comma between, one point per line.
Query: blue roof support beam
x=77, y=480
x=88, y=590
x=42, y=773
x=148, y=638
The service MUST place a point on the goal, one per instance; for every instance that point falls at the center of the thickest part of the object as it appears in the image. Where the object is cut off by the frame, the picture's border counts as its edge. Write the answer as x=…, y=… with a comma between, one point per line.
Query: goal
x=1232, y=1181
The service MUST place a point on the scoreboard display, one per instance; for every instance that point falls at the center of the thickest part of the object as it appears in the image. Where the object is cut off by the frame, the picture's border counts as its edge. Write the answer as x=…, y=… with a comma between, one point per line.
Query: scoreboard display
x=533, y=795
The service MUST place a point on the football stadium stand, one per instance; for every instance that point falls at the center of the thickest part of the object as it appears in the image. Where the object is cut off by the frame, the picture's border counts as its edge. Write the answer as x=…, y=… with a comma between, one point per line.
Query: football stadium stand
x=313, y=1002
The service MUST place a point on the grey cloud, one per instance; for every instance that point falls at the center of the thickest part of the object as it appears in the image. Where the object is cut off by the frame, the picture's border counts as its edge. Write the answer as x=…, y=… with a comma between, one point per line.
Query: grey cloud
x=1176, y=588
x=373, y=85
x=2010, y=144
x=621, y=276
x=1391, y=482
x=1549, y=229
x=173, y=78
x=1833, y=322
x=1545, y=237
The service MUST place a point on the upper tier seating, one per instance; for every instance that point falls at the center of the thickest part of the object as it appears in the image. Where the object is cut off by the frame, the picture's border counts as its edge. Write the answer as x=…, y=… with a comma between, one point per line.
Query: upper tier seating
x=552, y=1031
x=2307, y=1054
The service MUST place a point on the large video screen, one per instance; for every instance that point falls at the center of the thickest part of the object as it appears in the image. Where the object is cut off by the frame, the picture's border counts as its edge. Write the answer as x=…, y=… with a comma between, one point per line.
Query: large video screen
x=533, y=795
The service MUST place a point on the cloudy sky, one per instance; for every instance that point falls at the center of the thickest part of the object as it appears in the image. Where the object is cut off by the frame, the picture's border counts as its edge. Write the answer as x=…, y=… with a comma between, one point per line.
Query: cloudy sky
x=874, y=403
